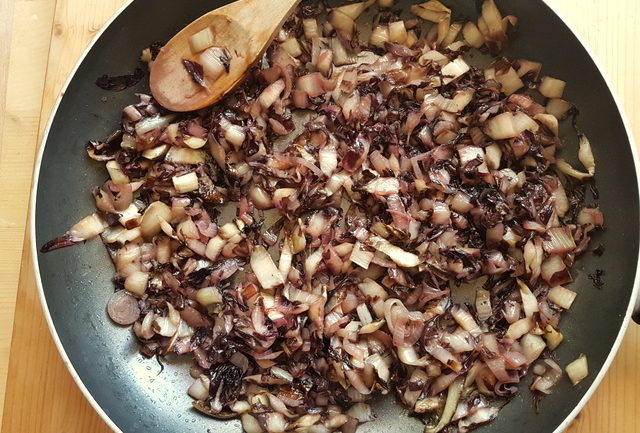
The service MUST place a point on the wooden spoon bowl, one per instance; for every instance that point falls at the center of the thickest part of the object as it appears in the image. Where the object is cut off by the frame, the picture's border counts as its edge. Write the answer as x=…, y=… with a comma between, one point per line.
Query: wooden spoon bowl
x=245, y=28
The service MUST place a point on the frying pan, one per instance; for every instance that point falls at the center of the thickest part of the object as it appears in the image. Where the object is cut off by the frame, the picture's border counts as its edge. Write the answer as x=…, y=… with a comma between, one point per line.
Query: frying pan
x=132, y=394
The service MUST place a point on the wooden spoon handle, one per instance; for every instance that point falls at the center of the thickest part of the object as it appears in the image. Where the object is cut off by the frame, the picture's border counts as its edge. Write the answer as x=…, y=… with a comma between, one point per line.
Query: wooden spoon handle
x=261, y=17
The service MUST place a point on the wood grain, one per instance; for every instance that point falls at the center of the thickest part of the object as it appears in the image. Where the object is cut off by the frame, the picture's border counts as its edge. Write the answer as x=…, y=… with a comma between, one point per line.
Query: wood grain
x=40, y=395
x=26, y=27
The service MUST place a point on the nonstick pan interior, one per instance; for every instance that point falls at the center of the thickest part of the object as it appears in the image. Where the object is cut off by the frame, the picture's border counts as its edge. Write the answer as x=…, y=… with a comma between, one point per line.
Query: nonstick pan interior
x=132, y=390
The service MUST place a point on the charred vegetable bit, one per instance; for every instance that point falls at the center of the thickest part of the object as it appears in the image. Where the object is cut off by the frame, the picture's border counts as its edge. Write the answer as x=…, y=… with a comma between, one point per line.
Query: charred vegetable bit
x=414, y=237
x=120, y=82
x=195, y=70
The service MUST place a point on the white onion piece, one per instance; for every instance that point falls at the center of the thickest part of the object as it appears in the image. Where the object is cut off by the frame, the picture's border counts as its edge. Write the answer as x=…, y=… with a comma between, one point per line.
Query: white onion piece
x=310, y=27
x=548, y=120
x=260, y=198
x=150, y=123
x=215, y=62
x=186, y=182
x=311, y=263
x=208, y=296
x=264, y=268
x=558, y=108
x=150, y=223
x=383, y=186
x=398, y=255
x=577, y=370
x=354, y=10
x=483, y=304
x=510, y=81
x=585, y=155
x=461, y=202
x=235, y=135
x=199, y=389
x=519, y=328
x=559, y=240
x=472, y=153
x=549, y=378
x=553, y=337
x=590, y=216
x=529, y=301
x=292, y=47
x=184, y=155
x=493, y=155
x=453, y=396
x=371, y=327
x=444, y=356
x=118, y=176
x=372, y=289
x=201, y=40
x=271, y=94
x=312, y=84
x=435, y=12
x=509, y=125
x=528, y=67
x=155, y=152
x=136, y=283
x=363, y=314
x=328, y=159
x=379, y=36
x=465, y=320
x=551, y=87
x=566, y=168
x=472, y=35
x=356, y=380
x=562, y=297
x=454, y=70
x=325, y=61
x=458, y=342
x=397, y=32
x=281, y=374
x=408, y=356
x=307, y=420
x=214, y=247
x=87, y=228
x=286, y=257
x=532, y=347
x=275, y=422
x=340, y=55
x=343, y=24
x=451, y=35
x=250, y=424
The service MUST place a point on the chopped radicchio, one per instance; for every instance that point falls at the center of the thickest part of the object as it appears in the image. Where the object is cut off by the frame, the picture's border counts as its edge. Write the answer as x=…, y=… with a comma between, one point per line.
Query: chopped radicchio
x=195, y=71
x=335, y=276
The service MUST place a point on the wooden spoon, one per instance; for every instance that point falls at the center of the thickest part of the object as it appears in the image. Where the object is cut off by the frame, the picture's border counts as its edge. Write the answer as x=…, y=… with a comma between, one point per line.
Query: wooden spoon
x=245, y=28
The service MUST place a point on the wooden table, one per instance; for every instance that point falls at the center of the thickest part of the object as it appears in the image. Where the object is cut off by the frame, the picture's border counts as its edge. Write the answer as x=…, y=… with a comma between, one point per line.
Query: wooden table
x=40, y=40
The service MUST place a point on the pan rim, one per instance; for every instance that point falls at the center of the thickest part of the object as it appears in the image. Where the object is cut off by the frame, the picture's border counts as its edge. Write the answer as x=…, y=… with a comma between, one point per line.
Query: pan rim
x=32, y=224
x=636, y=281
x=36, y=267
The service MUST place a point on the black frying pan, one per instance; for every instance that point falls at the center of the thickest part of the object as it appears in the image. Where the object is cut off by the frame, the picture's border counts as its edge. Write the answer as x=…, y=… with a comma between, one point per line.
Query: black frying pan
x=129, y=391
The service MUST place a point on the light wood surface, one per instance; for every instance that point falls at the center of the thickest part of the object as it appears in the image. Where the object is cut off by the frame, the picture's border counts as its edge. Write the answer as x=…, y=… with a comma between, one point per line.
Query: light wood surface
x=40, y=41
